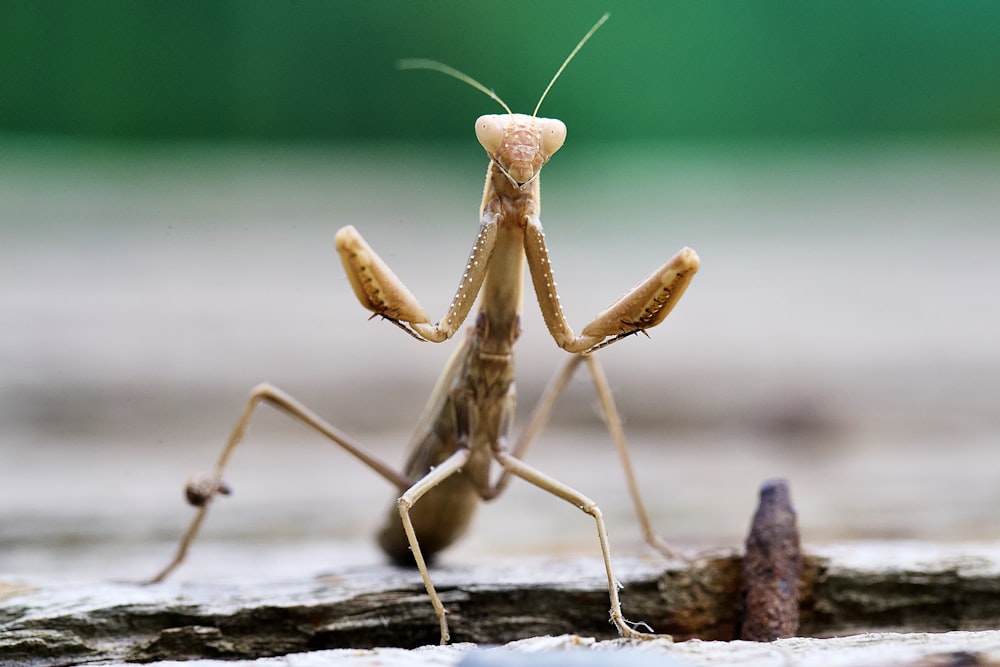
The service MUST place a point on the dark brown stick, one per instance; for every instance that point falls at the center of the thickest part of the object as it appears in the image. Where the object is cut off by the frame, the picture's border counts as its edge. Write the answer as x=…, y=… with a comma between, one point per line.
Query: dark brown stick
x=771, y=568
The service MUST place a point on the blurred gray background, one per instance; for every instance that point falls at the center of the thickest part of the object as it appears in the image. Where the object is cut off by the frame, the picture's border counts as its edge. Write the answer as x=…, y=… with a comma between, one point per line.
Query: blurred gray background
x=172, y=176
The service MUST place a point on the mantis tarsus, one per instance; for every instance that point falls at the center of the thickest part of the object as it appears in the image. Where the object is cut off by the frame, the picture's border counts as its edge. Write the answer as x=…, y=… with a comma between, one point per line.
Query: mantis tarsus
x=466, y=423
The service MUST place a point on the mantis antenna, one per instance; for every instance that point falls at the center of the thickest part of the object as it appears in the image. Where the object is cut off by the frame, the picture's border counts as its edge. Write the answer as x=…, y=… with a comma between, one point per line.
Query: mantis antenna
x=423, y=63
x=572, y=54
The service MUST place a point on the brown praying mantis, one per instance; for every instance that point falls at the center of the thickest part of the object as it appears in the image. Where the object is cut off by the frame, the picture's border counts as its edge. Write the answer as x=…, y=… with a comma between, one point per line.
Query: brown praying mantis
x=466, y=424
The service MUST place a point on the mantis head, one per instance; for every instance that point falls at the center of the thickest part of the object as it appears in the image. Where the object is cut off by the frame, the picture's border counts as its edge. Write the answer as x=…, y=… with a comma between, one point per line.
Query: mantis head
x=518, y=144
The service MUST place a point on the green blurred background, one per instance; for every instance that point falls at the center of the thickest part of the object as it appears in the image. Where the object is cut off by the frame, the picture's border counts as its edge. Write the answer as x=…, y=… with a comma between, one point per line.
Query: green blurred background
x=322, y=70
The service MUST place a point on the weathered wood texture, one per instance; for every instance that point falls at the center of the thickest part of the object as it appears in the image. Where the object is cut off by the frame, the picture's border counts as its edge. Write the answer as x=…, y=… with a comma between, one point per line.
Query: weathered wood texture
x=852, y=589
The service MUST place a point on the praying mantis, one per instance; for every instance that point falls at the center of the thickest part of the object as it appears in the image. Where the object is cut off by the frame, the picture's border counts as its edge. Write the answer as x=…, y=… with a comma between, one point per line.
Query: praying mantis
x=466, y=424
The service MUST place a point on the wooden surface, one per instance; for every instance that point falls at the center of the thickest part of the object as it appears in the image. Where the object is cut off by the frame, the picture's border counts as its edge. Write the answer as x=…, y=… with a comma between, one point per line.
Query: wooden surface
x=857, y=589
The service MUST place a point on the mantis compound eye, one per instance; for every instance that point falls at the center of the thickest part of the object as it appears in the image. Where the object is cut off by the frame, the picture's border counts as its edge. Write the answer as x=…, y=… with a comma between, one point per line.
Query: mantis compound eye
x=489, y=132
x=553, y=135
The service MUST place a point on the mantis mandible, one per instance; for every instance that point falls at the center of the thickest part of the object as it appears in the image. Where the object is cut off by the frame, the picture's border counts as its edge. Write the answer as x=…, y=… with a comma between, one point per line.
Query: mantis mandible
x=466, y=424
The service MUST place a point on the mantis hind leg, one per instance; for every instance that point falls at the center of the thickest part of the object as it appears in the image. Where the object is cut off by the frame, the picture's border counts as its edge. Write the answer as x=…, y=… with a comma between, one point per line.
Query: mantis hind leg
x=201, y=490
x=613, y=421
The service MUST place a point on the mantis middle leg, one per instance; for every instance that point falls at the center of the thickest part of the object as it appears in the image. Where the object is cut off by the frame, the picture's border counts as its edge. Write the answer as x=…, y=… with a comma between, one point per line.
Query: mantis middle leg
x=555, y=487
x=612, y=419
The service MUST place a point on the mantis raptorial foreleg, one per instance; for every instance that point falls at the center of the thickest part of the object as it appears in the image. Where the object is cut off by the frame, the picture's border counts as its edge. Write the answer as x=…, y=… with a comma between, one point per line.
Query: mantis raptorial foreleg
x=642, y=307
x=380, y=291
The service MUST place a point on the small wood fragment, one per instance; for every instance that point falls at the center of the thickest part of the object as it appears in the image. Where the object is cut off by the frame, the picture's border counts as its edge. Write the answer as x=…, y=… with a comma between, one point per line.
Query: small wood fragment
x=772, y=567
